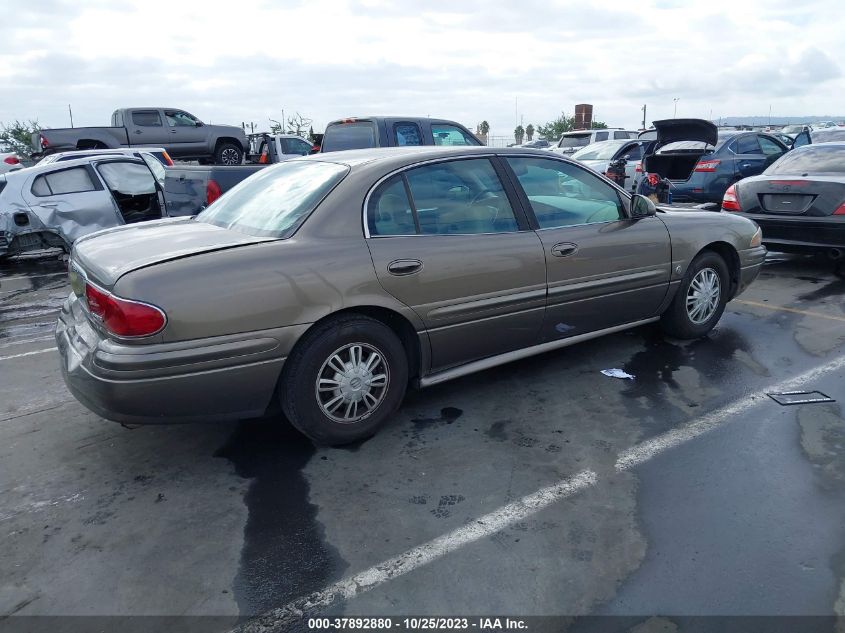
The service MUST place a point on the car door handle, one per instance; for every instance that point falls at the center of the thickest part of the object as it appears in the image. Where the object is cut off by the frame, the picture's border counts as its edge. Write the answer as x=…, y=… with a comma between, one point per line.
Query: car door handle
x=745, y=165
x=401, y=267
x=48, y=204
x=138, y=132
x=564, y=249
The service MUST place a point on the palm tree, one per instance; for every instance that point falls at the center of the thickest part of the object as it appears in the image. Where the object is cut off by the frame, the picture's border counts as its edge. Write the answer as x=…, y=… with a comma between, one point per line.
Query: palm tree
x=529, y=131
x=518, y=134
x=484, y=127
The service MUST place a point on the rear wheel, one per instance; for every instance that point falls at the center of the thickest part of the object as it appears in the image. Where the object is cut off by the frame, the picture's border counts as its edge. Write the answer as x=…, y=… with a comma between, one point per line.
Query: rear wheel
x=700, y=300
x=344, y=380
x=228, y=154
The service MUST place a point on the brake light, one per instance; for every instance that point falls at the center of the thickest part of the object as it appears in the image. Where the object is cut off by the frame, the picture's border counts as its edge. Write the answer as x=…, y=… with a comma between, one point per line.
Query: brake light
x=315, y=148
x=639, y=168
x=167, y=160
x=11, y=160
x=212, y=191
x=123, y=317
x=730, y=201
x=840, y=210
x=707, y=165
x=44, y=142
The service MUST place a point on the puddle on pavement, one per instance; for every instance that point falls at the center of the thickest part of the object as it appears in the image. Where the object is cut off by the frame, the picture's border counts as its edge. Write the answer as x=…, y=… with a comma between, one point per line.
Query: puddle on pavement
x=284, y=554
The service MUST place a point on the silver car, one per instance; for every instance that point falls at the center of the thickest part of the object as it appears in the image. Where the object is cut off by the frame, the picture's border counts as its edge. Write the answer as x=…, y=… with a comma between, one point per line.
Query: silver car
x=53, y=205
x=599, y=155
x=330, y=284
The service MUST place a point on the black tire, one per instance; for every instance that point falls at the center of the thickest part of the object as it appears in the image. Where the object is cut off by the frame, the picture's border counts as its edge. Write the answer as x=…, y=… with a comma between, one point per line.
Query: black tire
x=309, y=362
x=839, y=270
x=228, y=154
x=677, y=320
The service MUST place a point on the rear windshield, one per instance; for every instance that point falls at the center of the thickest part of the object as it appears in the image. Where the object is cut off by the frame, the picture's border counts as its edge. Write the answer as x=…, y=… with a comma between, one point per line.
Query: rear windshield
x=690, y=146
x=357, y=135
x=273, y=201
x=810, y=159
x=825, y=136
x=575, y=141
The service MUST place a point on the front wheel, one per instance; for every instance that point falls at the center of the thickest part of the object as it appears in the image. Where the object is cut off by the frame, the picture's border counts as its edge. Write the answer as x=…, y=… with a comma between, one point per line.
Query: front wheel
x=228, y=154
x=700, y=300
x=344, y=380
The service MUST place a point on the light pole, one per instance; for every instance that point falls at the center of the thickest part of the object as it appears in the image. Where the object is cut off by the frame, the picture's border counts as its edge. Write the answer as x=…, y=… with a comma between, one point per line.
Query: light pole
x=675, y=113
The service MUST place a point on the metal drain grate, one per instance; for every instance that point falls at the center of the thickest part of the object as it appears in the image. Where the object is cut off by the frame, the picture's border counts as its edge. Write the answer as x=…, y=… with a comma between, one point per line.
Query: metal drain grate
x=800, y=397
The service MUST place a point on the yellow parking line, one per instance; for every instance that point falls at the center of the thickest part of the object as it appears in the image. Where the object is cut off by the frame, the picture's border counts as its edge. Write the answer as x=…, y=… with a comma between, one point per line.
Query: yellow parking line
x=757, y=304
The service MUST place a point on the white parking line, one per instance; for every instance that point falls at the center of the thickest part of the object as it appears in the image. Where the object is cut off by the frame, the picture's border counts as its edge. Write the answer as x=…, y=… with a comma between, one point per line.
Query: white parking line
x=652, y=447
x=497, y=520
x=422, y=554
x=30, y=340
x=38, y=351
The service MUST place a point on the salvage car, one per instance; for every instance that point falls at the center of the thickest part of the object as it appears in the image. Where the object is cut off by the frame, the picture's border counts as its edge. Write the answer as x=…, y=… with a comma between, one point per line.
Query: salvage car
x=53, y=205
x=701, y=161
x=799, y=201
x=330, y=283
x=155, y=157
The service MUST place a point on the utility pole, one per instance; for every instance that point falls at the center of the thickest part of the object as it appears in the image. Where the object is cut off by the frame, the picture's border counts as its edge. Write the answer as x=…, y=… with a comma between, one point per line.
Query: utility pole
x=675, y=113
x=770, y=114
x=70, y=112
x=515, y=111
x=643, y=109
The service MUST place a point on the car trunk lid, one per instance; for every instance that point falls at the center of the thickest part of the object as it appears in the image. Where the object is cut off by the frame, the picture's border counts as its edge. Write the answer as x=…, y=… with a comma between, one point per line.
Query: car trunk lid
x=673, y=130
x=817, y=197
x=107, y=255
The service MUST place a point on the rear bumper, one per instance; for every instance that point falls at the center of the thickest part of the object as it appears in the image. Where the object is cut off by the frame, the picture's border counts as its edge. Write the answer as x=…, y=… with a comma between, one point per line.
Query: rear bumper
x=206, y=380
x=801, y=234
x=750, y=263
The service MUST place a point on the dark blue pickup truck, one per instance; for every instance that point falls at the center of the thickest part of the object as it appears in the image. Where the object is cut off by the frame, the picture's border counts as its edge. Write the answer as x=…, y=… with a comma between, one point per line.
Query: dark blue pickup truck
x=393, y=131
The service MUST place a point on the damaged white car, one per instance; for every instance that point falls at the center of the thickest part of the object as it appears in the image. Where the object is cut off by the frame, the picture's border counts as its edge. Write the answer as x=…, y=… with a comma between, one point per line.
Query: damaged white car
x=51, y=206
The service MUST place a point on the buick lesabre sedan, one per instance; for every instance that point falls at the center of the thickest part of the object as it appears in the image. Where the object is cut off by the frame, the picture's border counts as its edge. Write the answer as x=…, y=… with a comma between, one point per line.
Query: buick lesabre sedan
x=334, y=282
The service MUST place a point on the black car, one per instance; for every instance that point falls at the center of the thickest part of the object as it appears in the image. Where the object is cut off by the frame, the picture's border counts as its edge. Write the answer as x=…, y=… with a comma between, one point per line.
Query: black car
x=799, y=201
x=380, y=131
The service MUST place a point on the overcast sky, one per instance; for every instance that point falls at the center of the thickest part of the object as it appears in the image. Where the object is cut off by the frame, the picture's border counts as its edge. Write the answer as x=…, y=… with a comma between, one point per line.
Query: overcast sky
x=466, y=60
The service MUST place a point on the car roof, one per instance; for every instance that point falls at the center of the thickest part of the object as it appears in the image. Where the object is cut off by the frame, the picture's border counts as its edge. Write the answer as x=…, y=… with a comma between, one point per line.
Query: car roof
x=67, y=164
x=100, y=152
x=357, y=157
x=382, y=117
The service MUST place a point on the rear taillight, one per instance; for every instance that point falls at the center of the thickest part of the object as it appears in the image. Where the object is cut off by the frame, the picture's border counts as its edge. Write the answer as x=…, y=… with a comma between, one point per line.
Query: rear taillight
x=315, y=148
x=123, y=317
x=44, y=142
x=167, y=160
x=11, y=160
x=212, y=191
x=730, y=201
x=707, y=165
x=639, y=168
x=840, y=210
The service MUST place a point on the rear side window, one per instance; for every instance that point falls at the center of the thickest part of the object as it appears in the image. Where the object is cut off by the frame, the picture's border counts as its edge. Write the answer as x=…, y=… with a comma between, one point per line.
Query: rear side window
x=407, y=134
x=390, y=211
x=146, y=118
x=601, y=136
x=460, y=197
x=355, y=135
x=451, y=135
x=621, y=135
x=75, y=180
x=747, y=145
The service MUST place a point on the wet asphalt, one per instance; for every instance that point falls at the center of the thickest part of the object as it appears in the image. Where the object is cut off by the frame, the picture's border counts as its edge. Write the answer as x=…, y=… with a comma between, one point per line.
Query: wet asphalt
x=235, y=519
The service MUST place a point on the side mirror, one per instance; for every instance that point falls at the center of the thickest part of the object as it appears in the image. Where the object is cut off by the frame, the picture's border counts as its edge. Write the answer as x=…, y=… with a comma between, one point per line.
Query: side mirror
x=802, y=139
x=642, y=207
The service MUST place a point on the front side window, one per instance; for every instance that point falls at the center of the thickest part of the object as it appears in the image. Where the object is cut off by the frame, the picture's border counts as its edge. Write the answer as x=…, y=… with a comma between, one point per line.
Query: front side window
x=562, y=194
x=177, y=118
x=295, y=146
x=155, y=166
x=769, y=147
x=146, y=118
x=272, y=202
x=574, y=140
x=407, y=134
x=450, y=135
x=618, y=135
x=458, y=197
x=632, y=152
x=75, y=180
x=127, y=179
